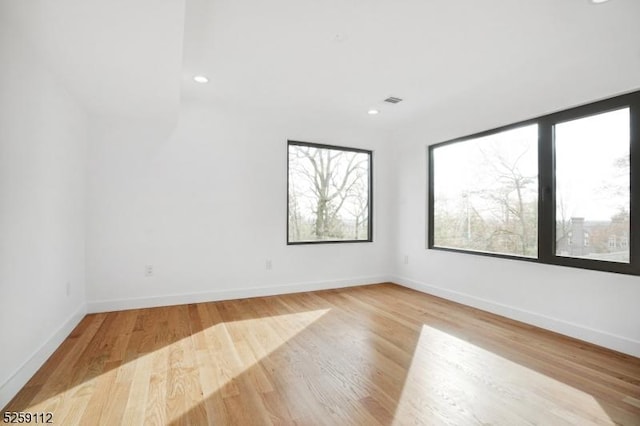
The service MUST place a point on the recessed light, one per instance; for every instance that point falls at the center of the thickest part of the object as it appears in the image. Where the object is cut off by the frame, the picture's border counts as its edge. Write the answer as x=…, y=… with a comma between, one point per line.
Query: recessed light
x=200, y=79
x=373, y=112
x=599, y=1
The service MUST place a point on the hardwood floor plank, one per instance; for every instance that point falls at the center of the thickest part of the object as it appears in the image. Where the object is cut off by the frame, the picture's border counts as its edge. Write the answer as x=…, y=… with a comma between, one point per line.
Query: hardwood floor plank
x=371, y=355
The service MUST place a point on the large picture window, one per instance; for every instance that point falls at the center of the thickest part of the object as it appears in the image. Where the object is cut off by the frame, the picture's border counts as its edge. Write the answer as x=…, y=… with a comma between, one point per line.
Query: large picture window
x=560, y=189
x=329, y=194
x=486, y=193
x=592, y=186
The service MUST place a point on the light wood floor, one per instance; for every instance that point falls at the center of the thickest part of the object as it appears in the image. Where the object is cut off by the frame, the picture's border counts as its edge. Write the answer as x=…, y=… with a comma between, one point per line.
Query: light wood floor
x=364, y=356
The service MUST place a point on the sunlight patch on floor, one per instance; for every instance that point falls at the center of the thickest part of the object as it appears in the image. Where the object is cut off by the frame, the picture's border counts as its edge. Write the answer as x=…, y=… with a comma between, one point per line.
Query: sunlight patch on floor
x=456, y=382
x=172, y=382
x=234, y=347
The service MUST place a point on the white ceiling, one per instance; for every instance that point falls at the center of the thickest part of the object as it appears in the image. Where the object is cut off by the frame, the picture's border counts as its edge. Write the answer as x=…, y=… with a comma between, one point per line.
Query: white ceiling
x=330, y=57
x=121, y=57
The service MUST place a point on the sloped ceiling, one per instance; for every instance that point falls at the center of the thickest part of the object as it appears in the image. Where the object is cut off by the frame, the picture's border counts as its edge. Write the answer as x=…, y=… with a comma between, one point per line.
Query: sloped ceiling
x=328, y=57
x=118, y=57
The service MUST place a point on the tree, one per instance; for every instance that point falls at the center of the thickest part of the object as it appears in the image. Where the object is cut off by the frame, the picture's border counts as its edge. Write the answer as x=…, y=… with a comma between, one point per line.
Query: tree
x=512, y=202
x=359, y=208
x=294, y=214
x=327, y=180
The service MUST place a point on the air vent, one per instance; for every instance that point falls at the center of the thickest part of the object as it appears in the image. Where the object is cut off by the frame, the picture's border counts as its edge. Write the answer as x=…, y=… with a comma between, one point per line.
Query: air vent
x=392, y=100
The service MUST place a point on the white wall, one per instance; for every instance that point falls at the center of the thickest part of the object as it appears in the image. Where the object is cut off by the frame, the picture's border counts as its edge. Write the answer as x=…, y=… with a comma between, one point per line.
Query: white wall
x=594, y=306
x=42, y=210
x=205, y=204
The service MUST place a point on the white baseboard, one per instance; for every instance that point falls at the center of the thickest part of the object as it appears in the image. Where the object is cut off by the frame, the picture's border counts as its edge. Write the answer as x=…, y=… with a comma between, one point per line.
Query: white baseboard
x=241, y=293
x=598, y=337
x=17, y=380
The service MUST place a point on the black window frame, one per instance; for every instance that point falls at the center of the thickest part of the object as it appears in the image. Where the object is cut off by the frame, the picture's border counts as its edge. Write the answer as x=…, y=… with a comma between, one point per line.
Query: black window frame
x=370, y=192
x=546, y=186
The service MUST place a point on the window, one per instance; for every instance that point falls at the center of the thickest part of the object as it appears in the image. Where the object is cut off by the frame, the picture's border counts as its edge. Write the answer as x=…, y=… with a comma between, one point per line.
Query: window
x=623, y=242
x=329, y=194
x=560, y=189
x=486, y=193
x=592, y=183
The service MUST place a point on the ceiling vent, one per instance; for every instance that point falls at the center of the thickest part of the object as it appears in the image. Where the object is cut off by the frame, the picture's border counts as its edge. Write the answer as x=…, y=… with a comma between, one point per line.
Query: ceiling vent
x=392, y=100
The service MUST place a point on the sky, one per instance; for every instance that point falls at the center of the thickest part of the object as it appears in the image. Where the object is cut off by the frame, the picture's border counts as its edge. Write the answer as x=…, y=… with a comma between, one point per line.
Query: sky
x=586, y=153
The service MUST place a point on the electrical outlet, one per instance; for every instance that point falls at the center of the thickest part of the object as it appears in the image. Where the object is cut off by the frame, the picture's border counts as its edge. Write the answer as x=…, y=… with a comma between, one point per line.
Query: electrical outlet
x=268, y=264
x=148, y=271
x=406, y=259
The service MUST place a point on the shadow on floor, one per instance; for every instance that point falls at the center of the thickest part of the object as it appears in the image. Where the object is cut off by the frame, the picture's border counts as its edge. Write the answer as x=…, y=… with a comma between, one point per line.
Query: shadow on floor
x=363, y=355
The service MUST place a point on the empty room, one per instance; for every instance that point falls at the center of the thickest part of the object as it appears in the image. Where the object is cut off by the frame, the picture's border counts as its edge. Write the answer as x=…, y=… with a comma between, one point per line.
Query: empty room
x=338, y=212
